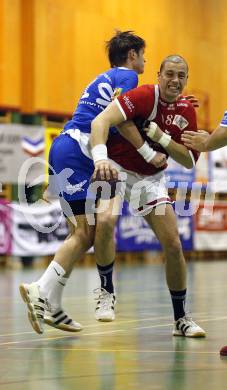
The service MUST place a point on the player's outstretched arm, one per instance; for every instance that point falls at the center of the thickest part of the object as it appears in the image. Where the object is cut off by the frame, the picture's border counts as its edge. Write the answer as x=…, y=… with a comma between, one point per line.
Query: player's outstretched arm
x=203, y=141
x=195, y=140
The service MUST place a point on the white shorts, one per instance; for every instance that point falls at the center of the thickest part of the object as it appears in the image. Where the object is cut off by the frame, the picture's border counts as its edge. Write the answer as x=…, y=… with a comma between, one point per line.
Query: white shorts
x=143, y=193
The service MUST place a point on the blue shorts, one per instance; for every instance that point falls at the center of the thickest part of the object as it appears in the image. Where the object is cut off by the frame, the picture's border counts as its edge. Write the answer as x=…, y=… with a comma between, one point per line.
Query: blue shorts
x=69, y=169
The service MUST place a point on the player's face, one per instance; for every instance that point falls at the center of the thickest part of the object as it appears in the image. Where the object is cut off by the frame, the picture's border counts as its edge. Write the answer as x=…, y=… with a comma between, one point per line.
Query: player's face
x=139, y=61
x=172, y=80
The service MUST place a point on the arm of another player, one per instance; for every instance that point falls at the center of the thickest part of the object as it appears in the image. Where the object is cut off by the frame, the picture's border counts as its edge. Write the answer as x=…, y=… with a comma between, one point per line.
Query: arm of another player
x=203, y=141
x=129, y=131
x=111, y=116
x=114, y=115
x=195, y=140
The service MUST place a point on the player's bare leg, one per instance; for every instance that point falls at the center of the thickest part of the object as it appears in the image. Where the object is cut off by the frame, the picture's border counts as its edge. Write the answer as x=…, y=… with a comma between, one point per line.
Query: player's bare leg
x=44, y=297
x=164, y=225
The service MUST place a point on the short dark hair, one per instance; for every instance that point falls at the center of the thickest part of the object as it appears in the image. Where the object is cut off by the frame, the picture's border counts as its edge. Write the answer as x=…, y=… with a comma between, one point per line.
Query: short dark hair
x=176, y=58
x=120, y=44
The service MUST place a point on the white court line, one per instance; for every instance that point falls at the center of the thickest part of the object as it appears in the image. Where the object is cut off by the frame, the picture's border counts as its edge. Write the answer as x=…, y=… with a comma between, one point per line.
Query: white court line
x=95, y=325
x=120, y=350
x=40, y=339
x=99, y=324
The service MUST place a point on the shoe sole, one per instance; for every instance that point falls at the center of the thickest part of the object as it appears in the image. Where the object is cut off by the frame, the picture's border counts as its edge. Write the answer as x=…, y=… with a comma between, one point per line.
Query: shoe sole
x=105, y=319
x=31, y=314
x=64, y=327
x=196, y=335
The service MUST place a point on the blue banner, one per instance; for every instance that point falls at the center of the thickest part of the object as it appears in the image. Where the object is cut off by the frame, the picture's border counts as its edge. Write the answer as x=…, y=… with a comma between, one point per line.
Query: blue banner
x=133, y=234
x=177, y=175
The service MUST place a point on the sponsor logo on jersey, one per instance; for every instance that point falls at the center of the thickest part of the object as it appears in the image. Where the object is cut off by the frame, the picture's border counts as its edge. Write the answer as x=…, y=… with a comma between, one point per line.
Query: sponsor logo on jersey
x=181, y=104
x=171, y=107
x=224, y=119
x=128, y=103
x=117, y=92
x=180, y=122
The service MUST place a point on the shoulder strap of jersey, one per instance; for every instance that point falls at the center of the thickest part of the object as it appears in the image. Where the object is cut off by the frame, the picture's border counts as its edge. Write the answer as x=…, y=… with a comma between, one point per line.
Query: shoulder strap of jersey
x=155, y=107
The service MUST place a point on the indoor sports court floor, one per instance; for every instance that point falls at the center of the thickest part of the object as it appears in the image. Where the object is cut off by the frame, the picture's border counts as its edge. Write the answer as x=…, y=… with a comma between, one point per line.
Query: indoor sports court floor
x=136, y=351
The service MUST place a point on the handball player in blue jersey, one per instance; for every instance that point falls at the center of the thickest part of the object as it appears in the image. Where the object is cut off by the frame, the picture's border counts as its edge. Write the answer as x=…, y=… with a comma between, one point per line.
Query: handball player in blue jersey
x=71, y=167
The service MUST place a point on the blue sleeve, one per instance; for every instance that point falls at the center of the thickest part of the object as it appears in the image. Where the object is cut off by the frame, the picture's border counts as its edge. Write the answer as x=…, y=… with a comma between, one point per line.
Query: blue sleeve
x=124, y=82
x=224, y=120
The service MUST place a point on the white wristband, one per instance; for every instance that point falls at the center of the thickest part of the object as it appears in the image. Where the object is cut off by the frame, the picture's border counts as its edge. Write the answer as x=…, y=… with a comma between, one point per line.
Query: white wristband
x=99, y=152
x=146, y=152
x=152, y=129
x=165, y=140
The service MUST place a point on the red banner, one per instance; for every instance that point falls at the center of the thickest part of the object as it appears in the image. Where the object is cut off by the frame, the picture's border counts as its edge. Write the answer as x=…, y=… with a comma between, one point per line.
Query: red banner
x=5, y=227
x=211, y=227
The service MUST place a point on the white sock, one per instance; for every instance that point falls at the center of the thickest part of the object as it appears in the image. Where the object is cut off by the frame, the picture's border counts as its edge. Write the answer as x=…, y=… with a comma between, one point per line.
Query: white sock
x=50, y=278
x=55, y=294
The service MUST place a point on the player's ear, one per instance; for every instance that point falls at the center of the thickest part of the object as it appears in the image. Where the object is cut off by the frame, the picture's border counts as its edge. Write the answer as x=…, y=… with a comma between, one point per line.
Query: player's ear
x=132, y=54
x=186, y=80
x=158, y=75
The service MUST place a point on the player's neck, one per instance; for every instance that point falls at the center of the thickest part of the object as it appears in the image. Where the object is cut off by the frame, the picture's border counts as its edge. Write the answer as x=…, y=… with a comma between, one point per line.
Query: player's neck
x=167, y=99
x=128, y=65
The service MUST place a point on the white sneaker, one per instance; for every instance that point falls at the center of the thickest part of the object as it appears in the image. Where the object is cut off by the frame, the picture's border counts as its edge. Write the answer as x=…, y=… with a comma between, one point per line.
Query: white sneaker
x=186, y=327
x=36, y=305
x=60, y=320
x=105, y=306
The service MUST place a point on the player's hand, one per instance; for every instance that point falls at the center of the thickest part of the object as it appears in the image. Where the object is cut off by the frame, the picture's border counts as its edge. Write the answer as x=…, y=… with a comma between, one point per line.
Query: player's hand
x=156, y=136
x=104, y=170
x=192, y=99
x=195, y=139
x=159, y=160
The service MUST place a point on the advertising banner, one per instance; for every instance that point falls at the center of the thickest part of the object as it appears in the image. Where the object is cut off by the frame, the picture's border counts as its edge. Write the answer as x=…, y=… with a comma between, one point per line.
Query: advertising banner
x=211, y=227
x=50, y=134
x=134, y=234
x=218, y=170
x=18, y=143
x=37, y=229
x=177, y=174
x=5, y=227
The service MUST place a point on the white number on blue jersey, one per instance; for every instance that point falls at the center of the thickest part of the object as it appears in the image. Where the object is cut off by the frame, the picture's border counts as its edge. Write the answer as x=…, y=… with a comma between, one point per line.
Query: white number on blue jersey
x=107, y=97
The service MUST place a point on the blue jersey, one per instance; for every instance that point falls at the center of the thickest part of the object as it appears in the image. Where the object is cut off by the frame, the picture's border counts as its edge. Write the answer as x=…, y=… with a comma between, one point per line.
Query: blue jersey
x=76, y=162
x=98, y=94
x=224, y=120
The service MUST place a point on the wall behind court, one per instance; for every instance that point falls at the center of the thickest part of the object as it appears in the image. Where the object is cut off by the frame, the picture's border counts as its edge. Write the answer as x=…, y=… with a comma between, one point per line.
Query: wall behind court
x=50, y=49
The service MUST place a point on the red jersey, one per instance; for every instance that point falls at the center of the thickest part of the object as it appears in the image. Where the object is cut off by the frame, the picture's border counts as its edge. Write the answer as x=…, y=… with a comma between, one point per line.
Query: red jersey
x=144, y=104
